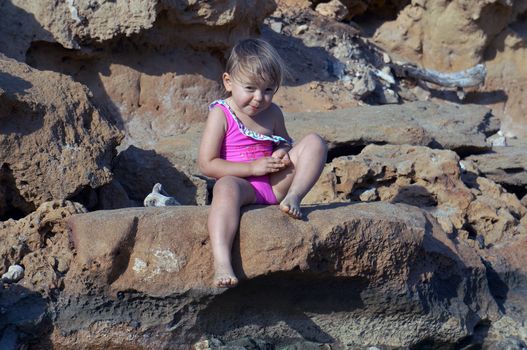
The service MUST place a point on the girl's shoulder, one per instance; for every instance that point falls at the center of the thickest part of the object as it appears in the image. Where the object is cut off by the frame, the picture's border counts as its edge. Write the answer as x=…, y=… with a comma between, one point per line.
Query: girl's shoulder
x=275, y=112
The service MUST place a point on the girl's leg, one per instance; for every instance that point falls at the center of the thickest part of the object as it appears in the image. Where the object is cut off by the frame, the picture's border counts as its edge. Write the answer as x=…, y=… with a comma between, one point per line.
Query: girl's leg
x=229, y=194
x=291, y=184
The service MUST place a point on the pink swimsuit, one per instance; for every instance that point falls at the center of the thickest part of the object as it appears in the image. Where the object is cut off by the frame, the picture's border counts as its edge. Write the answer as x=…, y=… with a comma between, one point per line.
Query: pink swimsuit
x=243, y=145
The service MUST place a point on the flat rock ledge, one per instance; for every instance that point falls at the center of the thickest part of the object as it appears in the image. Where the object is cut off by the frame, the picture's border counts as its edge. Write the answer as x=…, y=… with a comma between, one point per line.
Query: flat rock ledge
x=354, y=274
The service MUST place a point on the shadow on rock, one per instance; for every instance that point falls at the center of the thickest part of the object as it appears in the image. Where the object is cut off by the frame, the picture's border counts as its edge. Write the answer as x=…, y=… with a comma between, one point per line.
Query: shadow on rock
x=285, y=303
x=138, y=170
x=24, y=319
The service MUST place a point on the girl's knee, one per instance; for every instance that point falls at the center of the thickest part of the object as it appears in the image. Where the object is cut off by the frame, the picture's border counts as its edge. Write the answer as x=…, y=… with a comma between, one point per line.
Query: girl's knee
x=226, y=183
x=227, y=187
x=315, y=141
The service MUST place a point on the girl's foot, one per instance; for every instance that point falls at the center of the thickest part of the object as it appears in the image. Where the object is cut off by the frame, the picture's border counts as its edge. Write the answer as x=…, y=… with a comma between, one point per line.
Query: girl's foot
x=225, y=278
x=291, y=206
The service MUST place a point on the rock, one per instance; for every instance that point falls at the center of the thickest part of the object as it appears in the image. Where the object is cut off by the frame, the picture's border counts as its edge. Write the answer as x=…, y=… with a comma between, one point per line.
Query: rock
x=369, y=195
x=459, y=34
x=334, y=9
x=505, y=165
x=25, y=318
x=363, y=86
x=497, y=140
x=37, y=239
x=54, y=141
x=461, y=128
x=495, y=213
x=430, y=179
x=509, y=343
x=14, y=274
x=365, y=259
x=76, y=23
x=414, y=175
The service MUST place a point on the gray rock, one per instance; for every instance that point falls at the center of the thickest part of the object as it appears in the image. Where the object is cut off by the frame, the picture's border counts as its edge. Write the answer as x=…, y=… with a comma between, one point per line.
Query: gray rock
x=462, y=128
x=504, y=165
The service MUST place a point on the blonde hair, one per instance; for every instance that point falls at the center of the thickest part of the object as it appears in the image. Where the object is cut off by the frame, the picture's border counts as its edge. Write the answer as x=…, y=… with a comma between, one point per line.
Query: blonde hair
x=257, y=60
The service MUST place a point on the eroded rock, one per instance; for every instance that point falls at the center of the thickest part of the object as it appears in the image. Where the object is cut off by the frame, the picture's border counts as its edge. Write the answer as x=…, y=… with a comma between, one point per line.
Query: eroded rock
x=369, y=261
x=428, y=178
x=54, y=142
x=40, y=243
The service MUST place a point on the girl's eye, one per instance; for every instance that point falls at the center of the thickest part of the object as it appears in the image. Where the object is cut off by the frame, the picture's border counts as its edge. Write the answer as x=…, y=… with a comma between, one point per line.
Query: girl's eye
x=250, y=88
x=269, y=90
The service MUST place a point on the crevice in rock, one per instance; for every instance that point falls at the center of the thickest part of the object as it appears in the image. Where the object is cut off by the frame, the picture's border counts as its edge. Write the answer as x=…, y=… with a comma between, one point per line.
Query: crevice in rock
x=468, y=150
x=12, y=204
x=346, y=149
x=519, y=191
x=86, y=196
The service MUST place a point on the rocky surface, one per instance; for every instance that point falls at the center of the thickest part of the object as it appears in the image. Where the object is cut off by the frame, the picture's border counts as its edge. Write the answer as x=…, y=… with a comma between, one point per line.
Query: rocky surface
x=343, y=276
x=463, y=36
x=449, y=126
x=463, y=203
x=353, y=275
x=505, y=165
x=54, y=142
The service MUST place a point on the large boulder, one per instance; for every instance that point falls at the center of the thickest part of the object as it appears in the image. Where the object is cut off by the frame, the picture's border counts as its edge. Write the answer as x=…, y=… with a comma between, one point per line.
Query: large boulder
x=53, y=141
x=350, y=274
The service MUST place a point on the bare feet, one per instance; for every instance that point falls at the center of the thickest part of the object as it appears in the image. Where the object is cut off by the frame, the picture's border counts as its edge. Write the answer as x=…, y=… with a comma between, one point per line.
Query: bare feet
x=291, y=206
x=224, y=278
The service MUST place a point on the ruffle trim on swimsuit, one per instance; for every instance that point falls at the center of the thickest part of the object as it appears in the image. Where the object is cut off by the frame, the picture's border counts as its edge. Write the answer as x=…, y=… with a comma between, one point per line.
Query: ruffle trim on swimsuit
x=248, y=132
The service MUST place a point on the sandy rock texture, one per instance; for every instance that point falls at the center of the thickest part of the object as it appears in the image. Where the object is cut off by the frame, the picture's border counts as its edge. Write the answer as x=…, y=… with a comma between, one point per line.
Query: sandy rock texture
x=463, y=203
x=450, y=36
x=54, y=142
x=350, y=274
x=74, y=24
x=39, y=242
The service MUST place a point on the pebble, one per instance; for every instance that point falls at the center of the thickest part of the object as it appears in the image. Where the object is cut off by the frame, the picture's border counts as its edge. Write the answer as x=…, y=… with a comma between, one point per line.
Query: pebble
x=14, y=274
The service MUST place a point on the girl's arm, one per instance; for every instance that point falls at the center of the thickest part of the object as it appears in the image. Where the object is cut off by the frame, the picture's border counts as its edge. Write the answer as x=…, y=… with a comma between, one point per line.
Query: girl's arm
x=280, y=130
x=209, y=161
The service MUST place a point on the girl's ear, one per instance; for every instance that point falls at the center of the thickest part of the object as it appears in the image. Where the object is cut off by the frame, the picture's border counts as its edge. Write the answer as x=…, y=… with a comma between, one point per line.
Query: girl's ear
x=227, y=82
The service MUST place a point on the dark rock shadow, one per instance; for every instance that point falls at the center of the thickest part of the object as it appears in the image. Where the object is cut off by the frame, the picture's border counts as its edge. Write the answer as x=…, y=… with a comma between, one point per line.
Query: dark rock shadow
x=138, y=170
x=311, y=63
x=17, y=118
x=471, y=97
x=283, y=304
x=17, y=29
x=12, y=204
x=14, y=85
x=24, y=319
x=415, y=195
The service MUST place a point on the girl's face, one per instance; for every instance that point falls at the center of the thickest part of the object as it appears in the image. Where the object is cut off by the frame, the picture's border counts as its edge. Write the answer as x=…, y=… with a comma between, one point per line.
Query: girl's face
x=250, y=98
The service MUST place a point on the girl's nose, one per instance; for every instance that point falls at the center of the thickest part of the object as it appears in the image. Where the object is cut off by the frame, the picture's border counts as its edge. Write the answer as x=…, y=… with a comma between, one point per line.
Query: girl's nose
x=257, y=95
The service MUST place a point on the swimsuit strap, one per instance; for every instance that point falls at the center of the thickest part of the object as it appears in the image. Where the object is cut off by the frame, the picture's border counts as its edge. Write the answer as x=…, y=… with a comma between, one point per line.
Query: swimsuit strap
x=244, y=130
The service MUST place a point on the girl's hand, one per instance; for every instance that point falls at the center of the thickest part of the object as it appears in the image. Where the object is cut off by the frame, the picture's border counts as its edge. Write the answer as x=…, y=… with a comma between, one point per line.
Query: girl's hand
x=266, y=165
x=281, y=153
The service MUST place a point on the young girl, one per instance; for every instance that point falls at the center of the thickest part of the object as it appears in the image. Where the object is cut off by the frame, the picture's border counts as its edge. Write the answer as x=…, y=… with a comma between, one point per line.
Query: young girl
x=246, y=147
